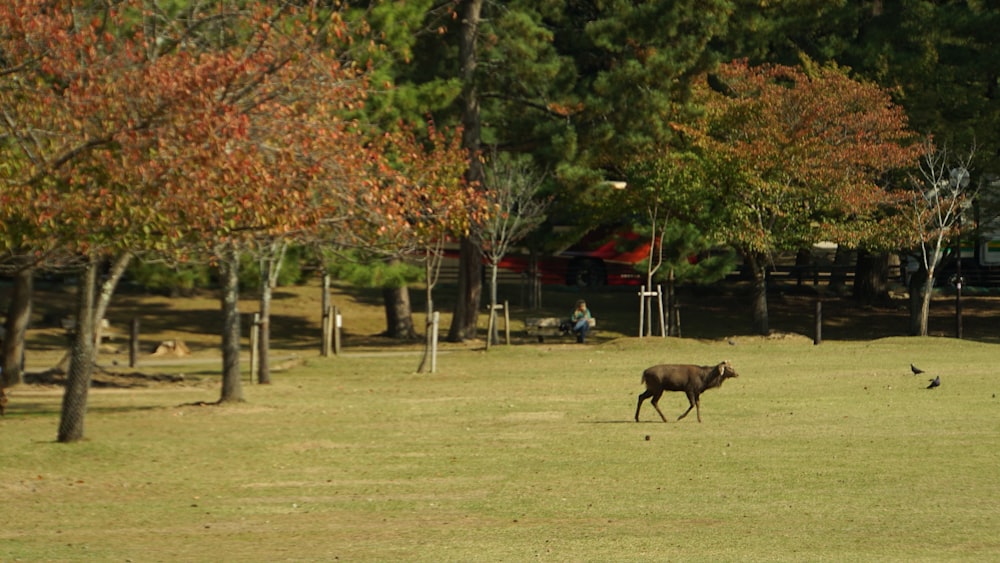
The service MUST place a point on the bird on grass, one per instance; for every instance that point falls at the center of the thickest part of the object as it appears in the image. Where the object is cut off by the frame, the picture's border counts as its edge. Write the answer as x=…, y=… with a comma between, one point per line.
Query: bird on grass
x=934, y=382
x=916, y=370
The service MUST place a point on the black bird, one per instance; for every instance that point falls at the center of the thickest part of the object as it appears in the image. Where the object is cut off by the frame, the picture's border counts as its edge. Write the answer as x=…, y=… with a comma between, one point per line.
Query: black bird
x=934, y=382
x=916, y=370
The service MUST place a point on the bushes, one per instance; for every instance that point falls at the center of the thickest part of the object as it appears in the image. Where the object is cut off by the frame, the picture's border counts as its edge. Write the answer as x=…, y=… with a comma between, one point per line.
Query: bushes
x=184, y=279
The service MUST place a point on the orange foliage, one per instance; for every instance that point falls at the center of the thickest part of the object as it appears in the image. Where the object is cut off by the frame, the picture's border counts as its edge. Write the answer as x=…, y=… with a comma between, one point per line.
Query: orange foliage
x=124, y=144
x=802, y=157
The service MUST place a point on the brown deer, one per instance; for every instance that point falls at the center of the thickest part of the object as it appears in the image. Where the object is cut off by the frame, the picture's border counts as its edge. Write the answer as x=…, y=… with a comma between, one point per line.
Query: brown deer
x=692, y=380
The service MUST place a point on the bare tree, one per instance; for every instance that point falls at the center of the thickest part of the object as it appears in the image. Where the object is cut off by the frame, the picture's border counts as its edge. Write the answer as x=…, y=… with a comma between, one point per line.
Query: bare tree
x=514, y=210
x=942, y=191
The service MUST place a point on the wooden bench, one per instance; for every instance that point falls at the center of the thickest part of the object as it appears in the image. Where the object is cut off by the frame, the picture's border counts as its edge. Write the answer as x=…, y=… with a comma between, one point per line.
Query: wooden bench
x=540, y=327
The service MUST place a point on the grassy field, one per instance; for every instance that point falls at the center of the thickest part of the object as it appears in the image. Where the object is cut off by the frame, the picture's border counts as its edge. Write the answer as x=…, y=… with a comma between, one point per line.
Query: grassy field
x=815, y=453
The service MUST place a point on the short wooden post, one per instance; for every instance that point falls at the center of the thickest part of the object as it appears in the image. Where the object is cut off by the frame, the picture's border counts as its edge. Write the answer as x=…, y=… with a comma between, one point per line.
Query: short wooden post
x=326, y=319
x=642, y=309
x=646, y=305
x=338, y=323
x=659, y=307
x=254, y=345
x=506, y=322
x=133, y=343
x=818, y=338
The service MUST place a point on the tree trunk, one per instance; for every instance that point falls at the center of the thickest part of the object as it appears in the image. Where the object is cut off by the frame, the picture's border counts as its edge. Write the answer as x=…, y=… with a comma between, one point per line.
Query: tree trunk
x=267, y=274
x=925, y=304
x=398, y=313
x=838, y=277
x=494, y=334
x=804, y=266
x=431, y=276
x=673, y=326
x=465, y=319
x=871, y=278
x=18, y=317
x=758, y=263
x=229, y=268
x=534, y=282
x=918, y=287
x=81, y=366
x=104, y=297
x=270, y=267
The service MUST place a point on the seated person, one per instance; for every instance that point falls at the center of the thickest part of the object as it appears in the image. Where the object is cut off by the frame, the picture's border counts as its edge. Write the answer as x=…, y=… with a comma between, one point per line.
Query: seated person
x=580, y=320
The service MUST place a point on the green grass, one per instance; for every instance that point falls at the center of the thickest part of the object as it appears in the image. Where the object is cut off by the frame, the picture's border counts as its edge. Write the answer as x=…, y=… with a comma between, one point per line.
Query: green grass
x=815, y=453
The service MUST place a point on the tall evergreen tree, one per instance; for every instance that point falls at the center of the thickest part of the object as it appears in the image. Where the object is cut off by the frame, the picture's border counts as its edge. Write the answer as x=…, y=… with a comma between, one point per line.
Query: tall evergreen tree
x=577, y=84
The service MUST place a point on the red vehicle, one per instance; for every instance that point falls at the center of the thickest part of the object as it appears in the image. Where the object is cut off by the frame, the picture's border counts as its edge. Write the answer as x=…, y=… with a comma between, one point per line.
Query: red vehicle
x=603, y=257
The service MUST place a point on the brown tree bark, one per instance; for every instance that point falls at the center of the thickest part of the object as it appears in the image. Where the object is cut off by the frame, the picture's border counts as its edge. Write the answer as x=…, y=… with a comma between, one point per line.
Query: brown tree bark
x=838, y=277
x=18, y=316
x=232, y=386
x=917, y=288
x=81, y=366
x=470, y=282
x=758, y=292
x=264, y=329
x=398, y=313
x=107, y=291
x=871, y=278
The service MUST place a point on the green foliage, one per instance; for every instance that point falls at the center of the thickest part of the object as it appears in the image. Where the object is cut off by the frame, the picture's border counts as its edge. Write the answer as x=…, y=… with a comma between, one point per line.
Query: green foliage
x=939, y=59
x=290, y=269
x=172, y=280
x=364, y=270
x=690, y=256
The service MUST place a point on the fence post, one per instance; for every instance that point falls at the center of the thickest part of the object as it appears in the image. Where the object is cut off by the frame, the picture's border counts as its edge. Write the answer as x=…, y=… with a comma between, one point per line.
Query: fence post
x=506, y=321
x=818, y=338
x=338, y=322
x=133, y=343
x=254, y=344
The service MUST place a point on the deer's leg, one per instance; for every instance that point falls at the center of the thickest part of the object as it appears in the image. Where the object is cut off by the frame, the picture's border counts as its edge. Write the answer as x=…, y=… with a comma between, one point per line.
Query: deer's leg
x=642, y=397
x=692, y=401
x=697, y=406
x=655, y=401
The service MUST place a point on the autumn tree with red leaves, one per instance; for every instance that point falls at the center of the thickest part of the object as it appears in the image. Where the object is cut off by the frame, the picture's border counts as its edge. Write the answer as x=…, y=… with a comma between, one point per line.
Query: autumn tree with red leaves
x=118, y=141
x=791, y=157
x=416, y=201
